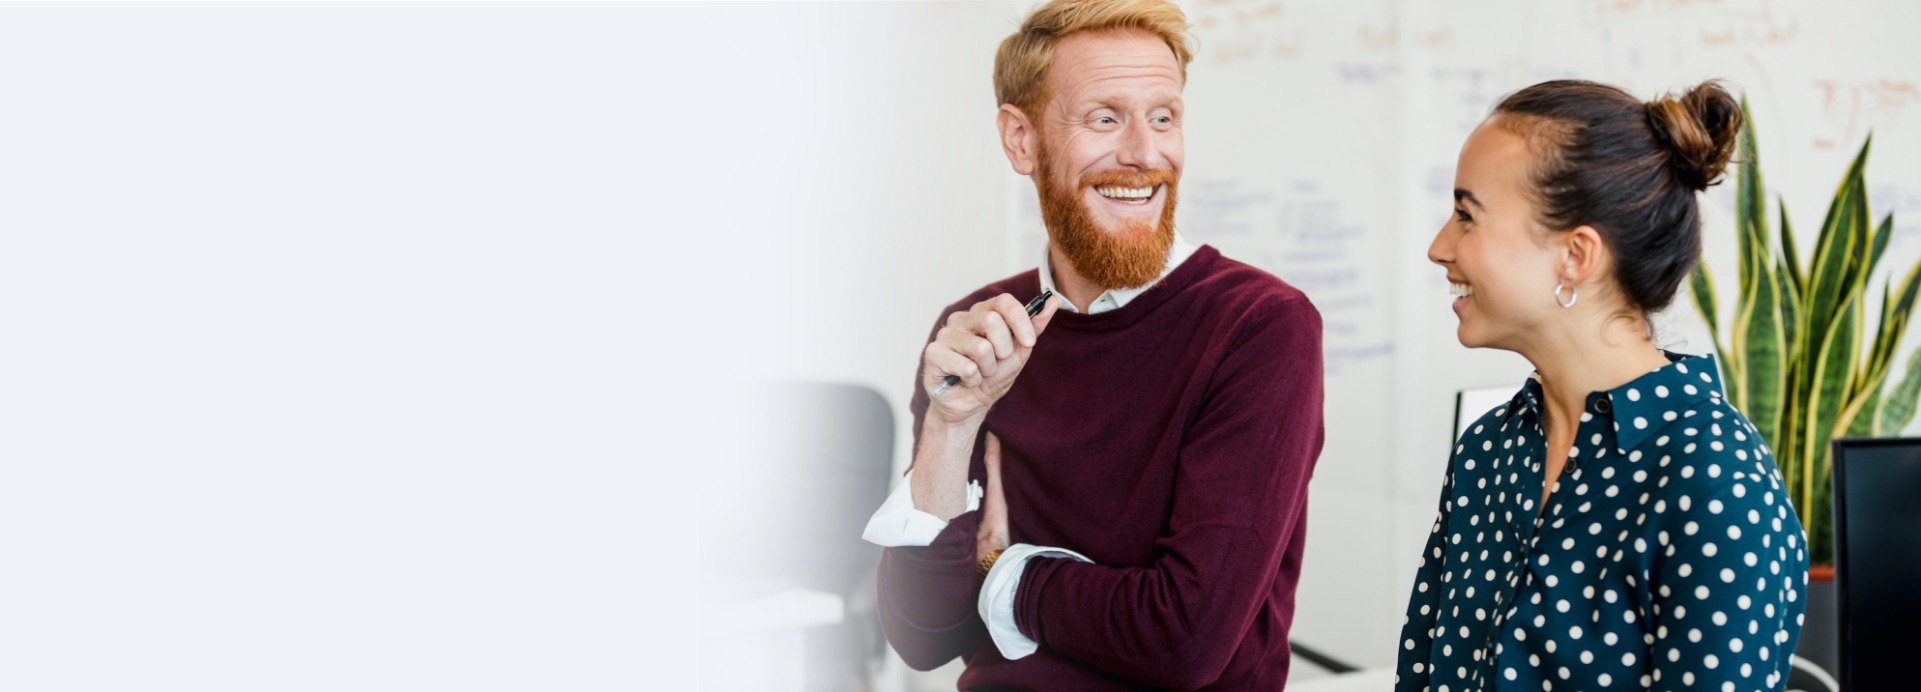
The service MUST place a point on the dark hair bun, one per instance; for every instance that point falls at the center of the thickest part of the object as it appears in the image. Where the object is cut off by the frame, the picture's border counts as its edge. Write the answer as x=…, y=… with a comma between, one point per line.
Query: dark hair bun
x=1698, y=129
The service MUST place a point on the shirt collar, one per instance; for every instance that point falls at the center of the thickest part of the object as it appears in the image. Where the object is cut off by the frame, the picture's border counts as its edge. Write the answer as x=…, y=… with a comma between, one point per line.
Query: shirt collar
x=1639, y=408
x=1115, y=298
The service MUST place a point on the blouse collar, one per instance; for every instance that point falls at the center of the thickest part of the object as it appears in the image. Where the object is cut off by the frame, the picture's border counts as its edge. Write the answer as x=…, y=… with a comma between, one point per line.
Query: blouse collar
x=1641, y=407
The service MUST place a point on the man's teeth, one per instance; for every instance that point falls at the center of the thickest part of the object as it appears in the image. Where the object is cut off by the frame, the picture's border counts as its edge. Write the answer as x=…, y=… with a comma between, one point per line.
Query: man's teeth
x=1129, y=194
x=1459, y=290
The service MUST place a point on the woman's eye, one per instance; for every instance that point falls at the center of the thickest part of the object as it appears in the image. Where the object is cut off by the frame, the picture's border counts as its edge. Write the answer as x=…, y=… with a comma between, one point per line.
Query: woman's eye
x=1461, y=214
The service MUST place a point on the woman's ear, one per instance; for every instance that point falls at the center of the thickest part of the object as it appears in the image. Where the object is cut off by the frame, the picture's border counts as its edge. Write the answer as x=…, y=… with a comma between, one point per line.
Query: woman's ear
x=1582, y=254
x=1018, y=139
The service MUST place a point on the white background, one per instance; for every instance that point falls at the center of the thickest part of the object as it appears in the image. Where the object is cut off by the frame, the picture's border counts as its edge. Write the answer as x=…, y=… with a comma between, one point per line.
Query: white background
x=381, y=346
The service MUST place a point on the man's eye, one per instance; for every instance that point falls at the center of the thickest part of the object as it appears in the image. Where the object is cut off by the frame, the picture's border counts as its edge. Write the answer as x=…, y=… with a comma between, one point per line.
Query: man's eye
x=1164, y=120
x=1104, y=120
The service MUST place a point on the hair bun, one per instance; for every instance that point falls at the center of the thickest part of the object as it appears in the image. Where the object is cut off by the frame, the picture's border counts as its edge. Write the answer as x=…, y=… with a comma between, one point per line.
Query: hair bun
x=1699, y=129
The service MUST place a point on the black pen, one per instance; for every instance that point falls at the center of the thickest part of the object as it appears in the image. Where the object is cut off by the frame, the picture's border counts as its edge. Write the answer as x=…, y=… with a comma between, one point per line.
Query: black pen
x=1033, y=308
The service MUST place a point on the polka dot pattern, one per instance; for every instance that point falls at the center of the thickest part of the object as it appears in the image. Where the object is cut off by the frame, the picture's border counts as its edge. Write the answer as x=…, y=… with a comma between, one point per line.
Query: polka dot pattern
x=1666, y=557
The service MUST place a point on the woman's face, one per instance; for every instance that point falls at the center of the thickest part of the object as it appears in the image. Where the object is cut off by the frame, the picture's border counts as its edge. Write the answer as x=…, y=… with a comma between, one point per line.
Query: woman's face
x=1499, y=259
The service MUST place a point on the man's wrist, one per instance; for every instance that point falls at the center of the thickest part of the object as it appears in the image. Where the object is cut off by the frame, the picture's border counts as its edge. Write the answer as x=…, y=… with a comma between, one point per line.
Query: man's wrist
x=940, y=479
x=987, y=562
x=937, y=419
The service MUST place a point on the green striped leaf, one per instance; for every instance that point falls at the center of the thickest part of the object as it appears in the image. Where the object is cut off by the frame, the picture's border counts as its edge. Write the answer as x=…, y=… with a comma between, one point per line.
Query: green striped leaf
x=1763, y=369
x=1790, y=255
x=1897, y=410
x=1880, y=244
x=1900, y=313
x=1827, y=386
x=1750, y=201
x=1701, y=291
x=1896, y=314
x=1866, y=413
x=1853, y=219
x=1790, y=317
x=1832, y=278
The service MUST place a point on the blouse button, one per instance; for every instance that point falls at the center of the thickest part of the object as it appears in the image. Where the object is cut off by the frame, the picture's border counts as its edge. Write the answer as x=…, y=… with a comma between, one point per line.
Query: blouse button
x=1601, y=406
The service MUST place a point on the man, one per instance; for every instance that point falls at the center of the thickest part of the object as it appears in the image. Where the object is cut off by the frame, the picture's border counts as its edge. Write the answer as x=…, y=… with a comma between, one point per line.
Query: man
x=1144, y=442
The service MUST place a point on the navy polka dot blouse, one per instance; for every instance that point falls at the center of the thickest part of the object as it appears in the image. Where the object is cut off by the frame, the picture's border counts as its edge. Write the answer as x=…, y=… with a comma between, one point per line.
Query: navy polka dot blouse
x=1667, y=557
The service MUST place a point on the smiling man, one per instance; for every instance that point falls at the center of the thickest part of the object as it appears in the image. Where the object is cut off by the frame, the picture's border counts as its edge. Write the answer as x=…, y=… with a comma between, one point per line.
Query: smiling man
x=1113, y=493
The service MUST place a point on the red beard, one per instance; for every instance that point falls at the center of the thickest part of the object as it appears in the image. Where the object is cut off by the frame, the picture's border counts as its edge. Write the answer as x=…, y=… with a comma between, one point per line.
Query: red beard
x=1128, y=257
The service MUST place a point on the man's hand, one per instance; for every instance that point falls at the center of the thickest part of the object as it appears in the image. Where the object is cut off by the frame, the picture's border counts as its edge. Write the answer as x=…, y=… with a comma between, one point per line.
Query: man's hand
x=986, y=347
x=993, y=534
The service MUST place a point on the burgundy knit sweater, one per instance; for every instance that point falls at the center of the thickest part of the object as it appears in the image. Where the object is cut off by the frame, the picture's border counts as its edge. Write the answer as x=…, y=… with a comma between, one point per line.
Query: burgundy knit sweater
x=1171, y=442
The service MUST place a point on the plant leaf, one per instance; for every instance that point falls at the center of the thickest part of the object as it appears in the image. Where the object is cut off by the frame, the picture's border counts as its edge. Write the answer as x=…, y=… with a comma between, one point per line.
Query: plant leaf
x=1763, y=370
x=1854, y=219
x=1898, y=312
x=1701, y=291
x=1831, y=279
x=1790, y=255
x=1880, y=245
x=1828, y=381
x=1790, y=318
x=1750, y=202
x=1897, y=410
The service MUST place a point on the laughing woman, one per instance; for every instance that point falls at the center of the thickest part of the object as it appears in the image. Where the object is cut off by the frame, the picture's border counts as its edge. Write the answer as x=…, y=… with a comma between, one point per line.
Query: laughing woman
x=1616, y=525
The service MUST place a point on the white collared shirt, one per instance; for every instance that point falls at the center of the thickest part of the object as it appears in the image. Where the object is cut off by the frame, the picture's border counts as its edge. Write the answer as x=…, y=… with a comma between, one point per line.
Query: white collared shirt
x=1114, y=298
x=898, y=523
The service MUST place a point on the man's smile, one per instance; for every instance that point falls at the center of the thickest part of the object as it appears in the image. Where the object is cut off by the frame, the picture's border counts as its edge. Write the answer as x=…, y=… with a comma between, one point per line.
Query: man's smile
x=1128, y=195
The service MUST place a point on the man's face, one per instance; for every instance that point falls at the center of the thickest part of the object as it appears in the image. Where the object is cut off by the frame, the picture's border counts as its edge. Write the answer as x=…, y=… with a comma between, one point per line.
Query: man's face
x=1110, y=154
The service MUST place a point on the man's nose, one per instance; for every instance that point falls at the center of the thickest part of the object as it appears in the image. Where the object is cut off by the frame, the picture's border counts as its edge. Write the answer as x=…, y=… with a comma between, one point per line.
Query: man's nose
x=1137, y=147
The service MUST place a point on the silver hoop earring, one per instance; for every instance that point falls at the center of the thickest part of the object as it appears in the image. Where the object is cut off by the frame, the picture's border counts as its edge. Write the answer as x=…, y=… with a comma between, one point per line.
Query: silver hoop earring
x=1572, y=296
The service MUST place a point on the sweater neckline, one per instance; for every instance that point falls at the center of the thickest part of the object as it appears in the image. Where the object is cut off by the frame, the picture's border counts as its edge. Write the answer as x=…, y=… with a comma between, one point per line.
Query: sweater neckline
x=1197, y=265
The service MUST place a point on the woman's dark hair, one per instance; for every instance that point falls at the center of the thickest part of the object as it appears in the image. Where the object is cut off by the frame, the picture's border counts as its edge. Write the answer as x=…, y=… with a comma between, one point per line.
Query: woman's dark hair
x=1630, y=169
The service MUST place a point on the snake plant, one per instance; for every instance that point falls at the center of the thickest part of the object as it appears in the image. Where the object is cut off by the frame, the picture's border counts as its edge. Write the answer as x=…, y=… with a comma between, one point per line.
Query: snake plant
x=1795, y=359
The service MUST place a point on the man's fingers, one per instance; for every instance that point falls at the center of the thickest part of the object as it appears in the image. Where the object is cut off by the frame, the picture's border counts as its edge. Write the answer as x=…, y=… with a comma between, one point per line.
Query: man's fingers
x=943, y=361
x=1014, y=314
x=1046, y=315
x=966, y=342
x=997, y=333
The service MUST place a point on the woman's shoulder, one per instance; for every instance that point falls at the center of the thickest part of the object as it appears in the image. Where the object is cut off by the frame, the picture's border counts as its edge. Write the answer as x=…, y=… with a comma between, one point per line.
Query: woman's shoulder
x=1716, y=457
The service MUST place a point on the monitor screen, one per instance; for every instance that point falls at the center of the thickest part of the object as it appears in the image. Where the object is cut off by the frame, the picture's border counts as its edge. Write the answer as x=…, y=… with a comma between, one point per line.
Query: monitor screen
x=1877, y=493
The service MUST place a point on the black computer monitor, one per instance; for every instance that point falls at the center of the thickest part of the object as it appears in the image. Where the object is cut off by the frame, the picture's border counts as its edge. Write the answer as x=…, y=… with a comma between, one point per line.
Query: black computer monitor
x=1877, y=562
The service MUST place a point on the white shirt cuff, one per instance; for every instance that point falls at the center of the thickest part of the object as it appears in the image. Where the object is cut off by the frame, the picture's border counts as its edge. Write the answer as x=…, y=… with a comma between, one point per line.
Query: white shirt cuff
x=997, y=596
x=898, y=524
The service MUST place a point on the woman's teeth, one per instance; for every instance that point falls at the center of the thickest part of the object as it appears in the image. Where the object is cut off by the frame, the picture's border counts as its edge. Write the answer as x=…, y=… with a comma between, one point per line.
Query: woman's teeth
x=1459, y=290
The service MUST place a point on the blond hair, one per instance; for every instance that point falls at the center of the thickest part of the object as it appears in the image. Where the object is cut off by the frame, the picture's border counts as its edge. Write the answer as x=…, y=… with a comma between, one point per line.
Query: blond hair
x=1021, y=64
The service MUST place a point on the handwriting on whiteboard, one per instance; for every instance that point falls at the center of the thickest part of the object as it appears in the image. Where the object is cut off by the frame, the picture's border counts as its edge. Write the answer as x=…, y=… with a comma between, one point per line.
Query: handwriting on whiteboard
x=1245, y=30
x=1308, y=241
x=1765, y=31
x=1852, y=108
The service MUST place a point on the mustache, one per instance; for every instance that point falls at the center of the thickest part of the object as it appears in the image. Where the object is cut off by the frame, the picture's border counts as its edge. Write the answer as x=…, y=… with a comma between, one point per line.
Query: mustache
x=1148, y=178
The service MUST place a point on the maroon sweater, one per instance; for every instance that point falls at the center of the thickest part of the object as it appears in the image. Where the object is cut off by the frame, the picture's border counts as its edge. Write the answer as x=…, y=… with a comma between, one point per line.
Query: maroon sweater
x=1171, y=442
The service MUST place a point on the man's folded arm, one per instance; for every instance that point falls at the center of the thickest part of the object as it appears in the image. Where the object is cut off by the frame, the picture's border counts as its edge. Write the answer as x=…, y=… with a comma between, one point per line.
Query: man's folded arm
x=928, y=578
x=1240, y=494
x=927, y=595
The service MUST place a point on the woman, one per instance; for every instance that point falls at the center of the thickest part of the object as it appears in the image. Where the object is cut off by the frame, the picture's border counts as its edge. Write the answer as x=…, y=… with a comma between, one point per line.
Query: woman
x=1616, y=525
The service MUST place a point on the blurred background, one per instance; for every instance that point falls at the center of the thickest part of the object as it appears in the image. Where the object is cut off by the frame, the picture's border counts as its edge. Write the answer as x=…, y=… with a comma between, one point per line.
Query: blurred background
x=515, y=345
